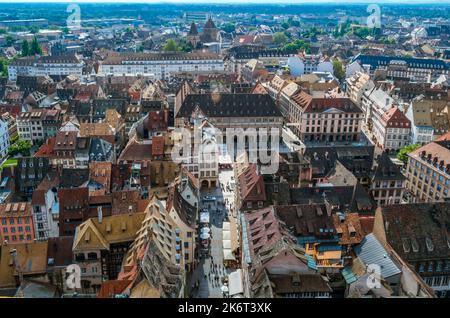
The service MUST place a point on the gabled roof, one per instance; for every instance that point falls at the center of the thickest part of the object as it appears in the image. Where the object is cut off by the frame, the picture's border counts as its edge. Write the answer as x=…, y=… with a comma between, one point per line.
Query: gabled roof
x=251, y=185
x=136, y=151
x=386, y=170
x=93, y=234
x=395, y=118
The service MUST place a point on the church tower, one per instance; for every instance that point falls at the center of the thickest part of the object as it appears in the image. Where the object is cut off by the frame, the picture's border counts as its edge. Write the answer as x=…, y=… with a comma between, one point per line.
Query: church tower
x=193, y=37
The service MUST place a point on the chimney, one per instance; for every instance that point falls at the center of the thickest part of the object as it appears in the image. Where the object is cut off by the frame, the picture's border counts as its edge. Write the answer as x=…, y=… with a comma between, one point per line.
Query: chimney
x=100, y=214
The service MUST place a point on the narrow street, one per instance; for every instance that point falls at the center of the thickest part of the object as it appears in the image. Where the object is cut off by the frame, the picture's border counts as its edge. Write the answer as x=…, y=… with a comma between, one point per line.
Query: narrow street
x=211, y=271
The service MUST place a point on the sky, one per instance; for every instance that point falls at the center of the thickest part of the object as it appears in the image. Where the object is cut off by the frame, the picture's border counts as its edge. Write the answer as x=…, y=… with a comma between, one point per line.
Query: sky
x=233, y=1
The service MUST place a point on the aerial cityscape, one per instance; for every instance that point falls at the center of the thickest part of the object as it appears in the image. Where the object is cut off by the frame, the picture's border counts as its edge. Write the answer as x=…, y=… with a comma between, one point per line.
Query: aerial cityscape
x=236, y=150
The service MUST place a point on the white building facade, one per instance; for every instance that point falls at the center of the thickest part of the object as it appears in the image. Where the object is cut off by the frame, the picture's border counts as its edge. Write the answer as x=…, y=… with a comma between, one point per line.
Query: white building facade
x=46, y=65
x=4, y=140
x=162, y=65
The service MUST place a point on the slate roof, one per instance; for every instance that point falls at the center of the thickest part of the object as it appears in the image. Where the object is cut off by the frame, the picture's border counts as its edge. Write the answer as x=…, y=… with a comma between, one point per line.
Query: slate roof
x=386, y=170
x=71, y=178
x=60, y=251
x=357, y=160
x=418, y=231
x=193, y=30
x=229, y=105
x=354, y=198
x=376, y=61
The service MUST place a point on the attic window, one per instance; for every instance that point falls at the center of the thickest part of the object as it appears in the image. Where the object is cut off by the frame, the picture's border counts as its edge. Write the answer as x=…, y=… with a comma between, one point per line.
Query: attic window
x=429, y=243
x=87, y=237
x=123, y=226
x=406, y=245
x=108, y=228
x=415, y=245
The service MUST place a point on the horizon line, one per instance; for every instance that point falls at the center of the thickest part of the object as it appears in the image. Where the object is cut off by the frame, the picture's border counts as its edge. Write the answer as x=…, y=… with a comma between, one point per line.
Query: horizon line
x=234, y=2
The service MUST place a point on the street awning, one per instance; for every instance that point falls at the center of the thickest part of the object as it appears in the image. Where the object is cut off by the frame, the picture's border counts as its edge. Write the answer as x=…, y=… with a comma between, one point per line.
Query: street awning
x=235, y=285
x=204, y=217
x=228, y=256
x=205, y=230
x=227, y=244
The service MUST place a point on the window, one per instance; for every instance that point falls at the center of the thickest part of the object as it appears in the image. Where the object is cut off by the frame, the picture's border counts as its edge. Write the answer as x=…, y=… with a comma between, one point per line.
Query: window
x=92, y=256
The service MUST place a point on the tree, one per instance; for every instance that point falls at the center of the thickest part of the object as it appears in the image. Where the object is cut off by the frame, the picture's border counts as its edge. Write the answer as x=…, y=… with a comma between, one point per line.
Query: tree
x=297, y=45
x=25, y=48
x=285, y=25
x=171, y=46
x=3, y=66
x=363, y=32
x=35, y=47
x=9, y=40
x=338, y=70
x=403, y=152
x=279, y=38
x=20, y=147
x=34, y=29
x=228, y=27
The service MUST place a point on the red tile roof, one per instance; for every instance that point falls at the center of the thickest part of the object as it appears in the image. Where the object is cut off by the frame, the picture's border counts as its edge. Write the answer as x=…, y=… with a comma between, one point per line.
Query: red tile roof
x=47, y=149
x=251, y=185
x=264, y=229
x=158, y=145
x=113, y=287
x=395, y=118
